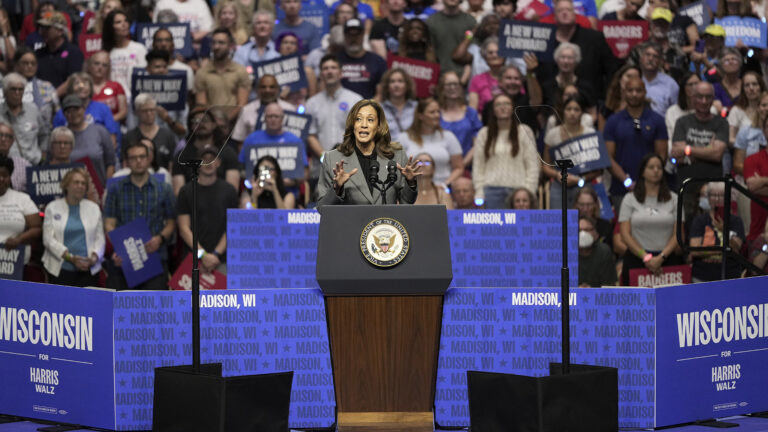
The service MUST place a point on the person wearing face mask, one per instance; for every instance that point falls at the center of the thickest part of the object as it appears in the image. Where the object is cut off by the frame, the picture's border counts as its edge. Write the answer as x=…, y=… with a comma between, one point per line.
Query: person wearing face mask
x=597, y=266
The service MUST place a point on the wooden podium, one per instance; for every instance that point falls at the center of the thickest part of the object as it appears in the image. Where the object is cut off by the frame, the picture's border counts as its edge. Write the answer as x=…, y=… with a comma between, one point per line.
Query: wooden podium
x=384, y=322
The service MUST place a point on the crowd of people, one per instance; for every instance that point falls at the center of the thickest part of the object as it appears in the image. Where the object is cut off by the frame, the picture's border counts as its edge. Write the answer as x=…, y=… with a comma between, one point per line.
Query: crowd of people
x=680, y=105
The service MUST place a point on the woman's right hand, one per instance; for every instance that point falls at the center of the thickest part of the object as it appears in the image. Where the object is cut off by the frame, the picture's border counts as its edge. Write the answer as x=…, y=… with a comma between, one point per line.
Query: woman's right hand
x=81, y=263
x=340, y=176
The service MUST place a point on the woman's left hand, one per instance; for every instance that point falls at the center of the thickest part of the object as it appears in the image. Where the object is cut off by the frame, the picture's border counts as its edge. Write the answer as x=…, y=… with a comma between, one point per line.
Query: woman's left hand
x=531, y=62
x=654, y=265
x=411, y=170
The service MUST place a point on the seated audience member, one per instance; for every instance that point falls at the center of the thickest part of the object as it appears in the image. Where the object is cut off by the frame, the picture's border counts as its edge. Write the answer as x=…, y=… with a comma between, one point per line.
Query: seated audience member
x=267, y=187
x=73, y=234
x=463, y=194
x=597, y=266
x=164, y=140
x=707, y=230
x=648, y=221
x=140, y=195
x=522, y=199
x=215, y=196
x=29, y=127
x=588, y=204
x=91, y=140
x=81, y=85
x=429, y=193
x=7, y=138
x=19, y=218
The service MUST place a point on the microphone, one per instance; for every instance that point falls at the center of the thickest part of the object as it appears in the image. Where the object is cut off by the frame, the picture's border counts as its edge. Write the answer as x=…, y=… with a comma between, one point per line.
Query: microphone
x=373, y=175
x=391, y=172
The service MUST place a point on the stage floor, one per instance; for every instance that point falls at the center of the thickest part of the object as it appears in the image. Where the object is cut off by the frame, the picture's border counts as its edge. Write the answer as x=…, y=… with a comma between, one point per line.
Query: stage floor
x=746, y=424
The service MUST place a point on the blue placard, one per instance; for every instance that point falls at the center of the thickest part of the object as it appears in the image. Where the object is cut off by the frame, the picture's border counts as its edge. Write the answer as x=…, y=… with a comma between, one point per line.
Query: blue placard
x=290, y=156
x=519, y=37
x=56, y=353
x=44, y=182
x=316, y=12
x=12, y=262
x=169, y=91
x=713, y=340
x=289, y=71
x=182, y=38
x=295, y=123
x=699, y=12
x=128, y=241
x=751, y=31
x=587, y=152
x=606, y=210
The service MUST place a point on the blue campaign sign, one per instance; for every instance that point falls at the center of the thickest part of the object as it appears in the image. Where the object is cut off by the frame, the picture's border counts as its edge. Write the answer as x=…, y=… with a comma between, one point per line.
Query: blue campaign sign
x=316, y=12
x=699, y=12
x=751, y=31
x=12, y=262
x=182, y=38
x=44, y=182
x=291, y=156
x=288, y=71
x=295, y=123
x=128, y=241
x=169, y=91
x=606, y=211
x=587, y=152
x=518, y=37
x=711, y=342
x=56, y=353
x=248, y=331
x=515, y=330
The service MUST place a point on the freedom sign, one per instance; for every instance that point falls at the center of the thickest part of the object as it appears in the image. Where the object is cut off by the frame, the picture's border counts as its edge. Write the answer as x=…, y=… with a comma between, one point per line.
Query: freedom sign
x=169, y=91
x=424, y=74
x=751, y=31
x=518, y=37
x=622, y=36
x=288, y=71
x=182, y=38
x=128, y=241
x=44, y=182
x=587, y=152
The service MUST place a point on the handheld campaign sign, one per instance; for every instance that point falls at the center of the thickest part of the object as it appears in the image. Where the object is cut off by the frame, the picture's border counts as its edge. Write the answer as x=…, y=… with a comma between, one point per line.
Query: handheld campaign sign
x=169, y=91
x=182, y=279
x=670, y=275
x=182, y=38
x=424, y=74
x=291, y=156
x=316, y=12
x=89, y=44
x=11, y=262
x=622, y=36
x=518, y=37
x=587, y=152
x=44, y=182
x=288, y=71
x=751, y=31
x=699, y=12
x=128, y=241
x=295, y=123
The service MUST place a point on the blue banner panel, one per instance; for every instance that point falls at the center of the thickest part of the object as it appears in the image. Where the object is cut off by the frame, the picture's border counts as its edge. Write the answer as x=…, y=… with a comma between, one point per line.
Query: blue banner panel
x=249, y=332
x=519, y=37
x=44, y=182
x=751, y=31
x=169, y=91
x=277, y=248
x=699, y=12
x=588, y=153
x=56, y=353
x=712, y=343
x=518, y=331
x=288, y=71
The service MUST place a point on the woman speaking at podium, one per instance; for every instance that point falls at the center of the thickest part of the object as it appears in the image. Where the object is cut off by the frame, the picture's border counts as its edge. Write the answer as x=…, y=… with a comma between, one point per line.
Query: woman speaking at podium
x=366, y=163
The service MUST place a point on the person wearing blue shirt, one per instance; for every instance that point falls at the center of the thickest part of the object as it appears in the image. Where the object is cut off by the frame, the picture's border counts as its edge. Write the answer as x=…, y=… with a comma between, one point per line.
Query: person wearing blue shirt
x=260, y=48
x=306, y=31
x=630, y=134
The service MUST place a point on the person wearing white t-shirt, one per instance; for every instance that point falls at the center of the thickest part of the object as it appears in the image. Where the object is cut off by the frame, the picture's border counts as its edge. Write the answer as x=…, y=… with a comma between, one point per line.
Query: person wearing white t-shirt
x=20, y=222
x=195, y=12
x=124, y=54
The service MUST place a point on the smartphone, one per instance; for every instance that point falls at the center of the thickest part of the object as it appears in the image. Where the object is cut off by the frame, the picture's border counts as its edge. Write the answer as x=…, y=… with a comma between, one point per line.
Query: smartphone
x=700, y=46
x=719, y=211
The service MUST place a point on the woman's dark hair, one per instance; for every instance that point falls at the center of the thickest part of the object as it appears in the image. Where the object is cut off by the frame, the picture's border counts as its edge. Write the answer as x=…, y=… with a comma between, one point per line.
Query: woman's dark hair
x=382, y=139
x=742, y=102
x=419, y=48
x=410, y=88
x=285, y=34
x=682, y=99
x=613, y=95
x=493, y=129
x=414, y=131
x=7, y=163
x=579, y=99
x=278, y=172
x=639, y=192
x=108, y=32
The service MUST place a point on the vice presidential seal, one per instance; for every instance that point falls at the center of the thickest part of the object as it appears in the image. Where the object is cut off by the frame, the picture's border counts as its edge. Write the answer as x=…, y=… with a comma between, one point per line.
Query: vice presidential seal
x=384, y=242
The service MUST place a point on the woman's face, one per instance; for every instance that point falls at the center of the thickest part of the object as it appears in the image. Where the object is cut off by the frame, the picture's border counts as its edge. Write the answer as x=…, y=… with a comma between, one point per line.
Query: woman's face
x=572, y=113
x=344, y=13
x=566, y=61
x=690, y=86
x=751, y=87
x=75, y=116
x=27, y=65
x=416, y=32
x=61, y=147
x=730, y=64
x=427, y=165
x=628, y=74
x=366, y=124
x=147, y=113
x=289, y=45
x=570, y=91
x=502, y=107
x=265, y=165
x=77, y=187
x=81, y=89
x=396, y=85
x=585, y=204
x=520, y=200
x=653, y=171
x=121, y=26
x=452, y=86
x=492, y=25
x=228, y=16
x=5, y=180
x=492, y=56
x=431, y=115
x=108, y=7
x=762, y=108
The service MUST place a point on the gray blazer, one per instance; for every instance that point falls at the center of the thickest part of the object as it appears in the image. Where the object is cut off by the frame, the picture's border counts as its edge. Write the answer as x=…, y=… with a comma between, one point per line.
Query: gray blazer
x=356, y=188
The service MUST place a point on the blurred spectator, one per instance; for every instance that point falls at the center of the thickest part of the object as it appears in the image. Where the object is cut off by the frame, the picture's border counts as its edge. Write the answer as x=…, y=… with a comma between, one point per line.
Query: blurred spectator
x=758, y=250
x=80, y=85
x=614, y=97
x=163, y=40
x=268, y=90
x=477, y=9
x=702, y=63
x=707, y=230
x=588, y=204
x=447, y=29
x=627, y=13
x=214, y=197
x=59, y=58
x=748, y=142
x=364, y=12
x=415, y=41
x=140, y=195
x=19, y=218
x=483, y=87
x=289, y=44
x=505, y=9
x=110, y=93
x=7, y=138
x=728, y=90
x=660, y=88
x=124, y=54
x=222, y=81
x=148, y=111
x=41, y=93
x=154, y=168
x=567, y=58
x=30, y=30
x=260, y=48
x=104, y=10
x=569, y=91
x=673, y=60
x=157, y=64
x=421, y=9
x=525, y=92
x=505, y=156
x=398, y=98
x=73, y=234
x=91, y=139
x=682, y=32
x=61, y=145
x=333, y=41
x=583, y=8
x=521, y=199
x=429, y=193
x=685, y=101
x=456, y=116
x=29, y=127
x=361, y=70
x=463, y=194
x=597, y=266
x=385, y=33
x=7, y=42
x=426, y=135
x=469, y=50
x=745, y=109
x=647, y=220
x=756, y=177
x=294, y=23
x=629, y=135
x=267, y=187
x=227, y=16
x=195, y=12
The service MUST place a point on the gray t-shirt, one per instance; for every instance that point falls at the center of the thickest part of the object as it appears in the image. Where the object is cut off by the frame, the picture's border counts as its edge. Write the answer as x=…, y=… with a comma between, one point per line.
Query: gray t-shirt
x=95, y=143
x=699, y=134
x=652, y=223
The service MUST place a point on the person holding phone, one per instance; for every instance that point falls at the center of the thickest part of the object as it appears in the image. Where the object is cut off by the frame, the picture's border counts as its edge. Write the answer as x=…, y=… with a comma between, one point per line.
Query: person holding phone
x=707, y=230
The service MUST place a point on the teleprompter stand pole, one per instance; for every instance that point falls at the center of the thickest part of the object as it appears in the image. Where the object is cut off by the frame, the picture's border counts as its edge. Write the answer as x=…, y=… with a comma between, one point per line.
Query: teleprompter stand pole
x=563, y=165
x=195, y=166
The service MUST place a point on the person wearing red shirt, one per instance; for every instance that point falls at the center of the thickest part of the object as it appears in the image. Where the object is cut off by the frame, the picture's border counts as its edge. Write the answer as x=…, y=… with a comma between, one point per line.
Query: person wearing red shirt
x=756, y=176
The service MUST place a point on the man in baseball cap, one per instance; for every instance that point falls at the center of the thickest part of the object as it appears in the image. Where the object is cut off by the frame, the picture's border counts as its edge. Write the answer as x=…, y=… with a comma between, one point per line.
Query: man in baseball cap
x=59, y=58
x=361, y=70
